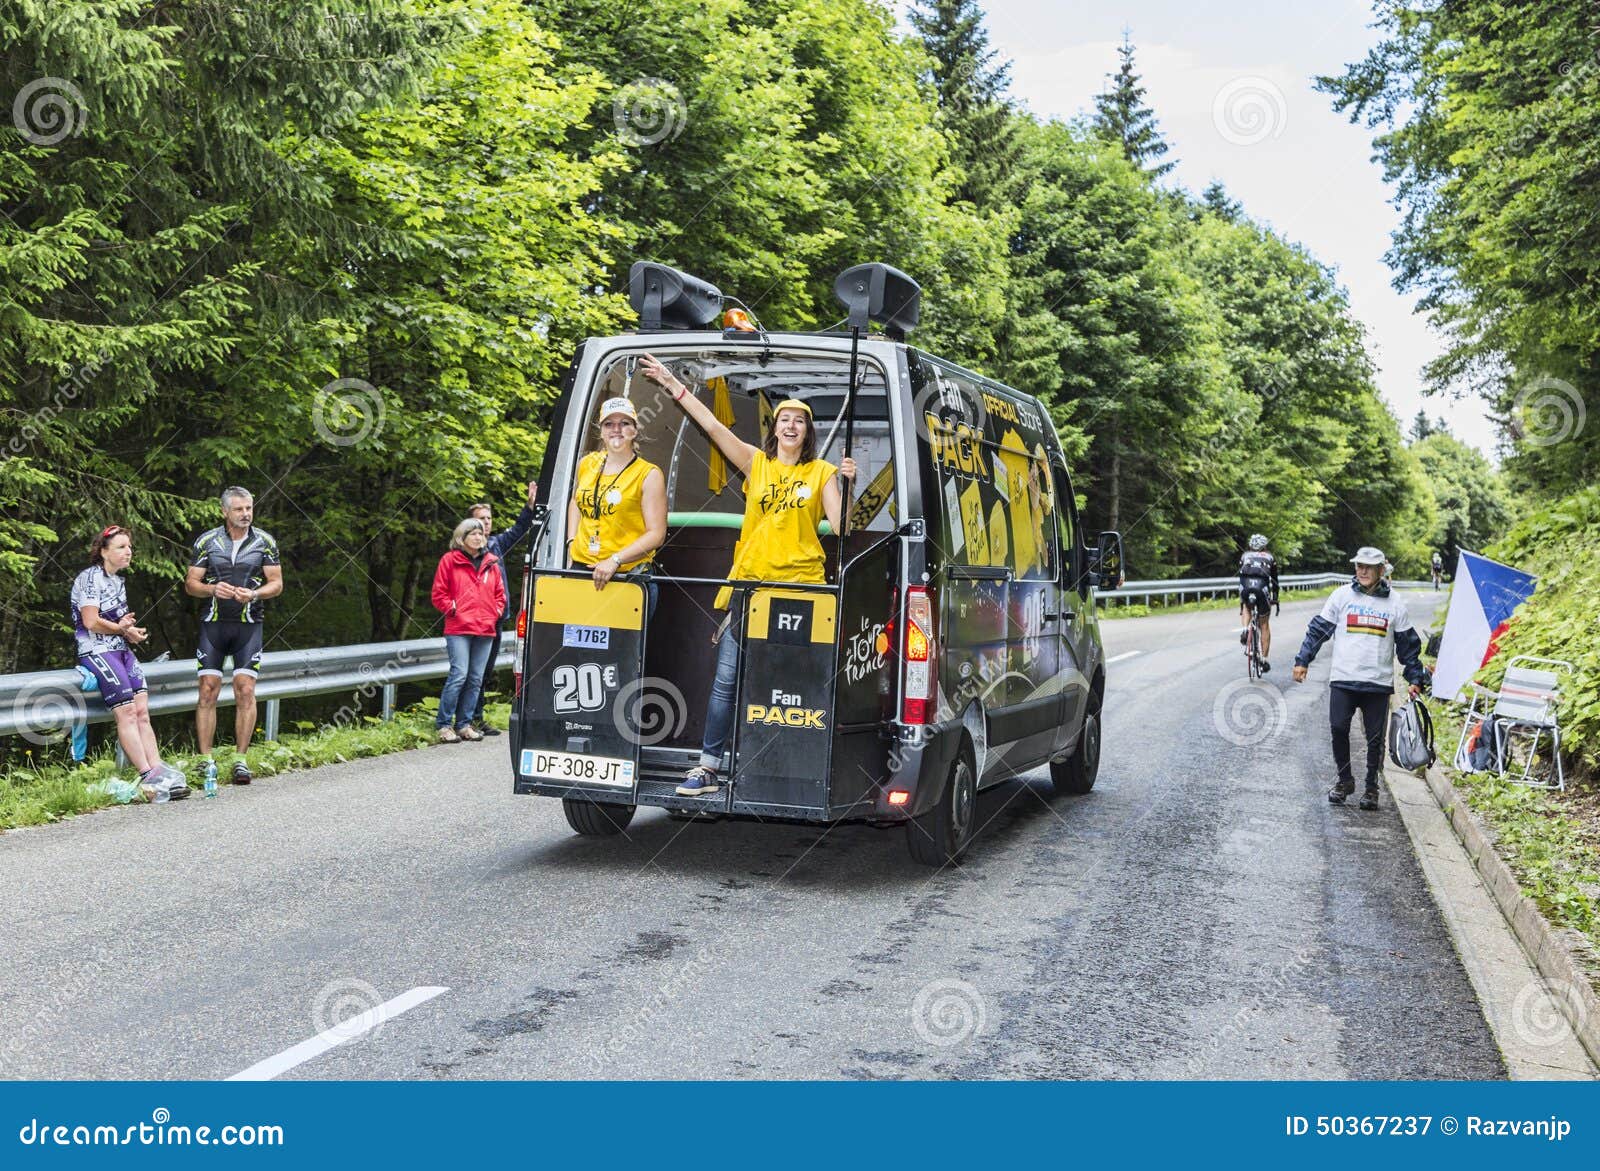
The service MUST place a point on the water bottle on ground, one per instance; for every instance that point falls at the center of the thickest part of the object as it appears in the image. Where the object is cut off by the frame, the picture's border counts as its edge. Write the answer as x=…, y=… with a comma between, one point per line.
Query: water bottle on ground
x=211, y=778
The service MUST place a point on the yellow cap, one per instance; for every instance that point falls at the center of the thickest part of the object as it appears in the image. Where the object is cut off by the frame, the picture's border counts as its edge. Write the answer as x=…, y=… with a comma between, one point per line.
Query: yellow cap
x=792, y=404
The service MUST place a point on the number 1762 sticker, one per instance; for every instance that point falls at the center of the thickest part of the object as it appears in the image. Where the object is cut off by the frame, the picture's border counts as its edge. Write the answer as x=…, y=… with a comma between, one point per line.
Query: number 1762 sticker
x=596, y=638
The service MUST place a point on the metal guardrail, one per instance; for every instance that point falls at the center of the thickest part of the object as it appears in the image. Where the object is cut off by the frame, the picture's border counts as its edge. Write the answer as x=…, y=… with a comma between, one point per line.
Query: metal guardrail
x=1216, y=587
x=42, y=701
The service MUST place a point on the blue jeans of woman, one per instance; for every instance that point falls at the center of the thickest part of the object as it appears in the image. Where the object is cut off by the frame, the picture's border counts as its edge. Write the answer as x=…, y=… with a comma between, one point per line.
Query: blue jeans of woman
x=719, y=712
x=468, y=654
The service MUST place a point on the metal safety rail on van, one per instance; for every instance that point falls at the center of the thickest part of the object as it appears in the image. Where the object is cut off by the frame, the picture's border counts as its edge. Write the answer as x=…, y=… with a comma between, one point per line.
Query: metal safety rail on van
x=954, y=644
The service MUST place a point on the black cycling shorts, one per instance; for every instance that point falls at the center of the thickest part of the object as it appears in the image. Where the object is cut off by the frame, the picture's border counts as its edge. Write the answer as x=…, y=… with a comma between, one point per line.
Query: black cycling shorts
x=218, y=640
x=1256, y=595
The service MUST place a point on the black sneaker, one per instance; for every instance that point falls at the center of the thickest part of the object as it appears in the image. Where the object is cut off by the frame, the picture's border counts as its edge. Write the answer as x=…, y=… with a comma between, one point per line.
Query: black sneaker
x=241, y=773
x=1369, y=797
x=1340, y=791
x=489, y=730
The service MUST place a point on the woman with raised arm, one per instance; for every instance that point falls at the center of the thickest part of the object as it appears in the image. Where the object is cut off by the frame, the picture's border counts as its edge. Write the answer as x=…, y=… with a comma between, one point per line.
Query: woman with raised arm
x=787, y=492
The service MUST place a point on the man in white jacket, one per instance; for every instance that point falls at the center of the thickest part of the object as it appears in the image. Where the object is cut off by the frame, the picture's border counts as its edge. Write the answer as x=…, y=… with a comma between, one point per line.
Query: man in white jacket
x=1369, y=627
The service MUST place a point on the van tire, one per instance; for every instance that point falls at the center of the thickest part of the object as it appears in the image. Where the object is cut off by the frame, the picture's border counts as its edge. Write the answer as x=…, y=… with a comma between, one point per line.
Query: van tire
x=942, y=834
x=595, y=820
x=1076, y=775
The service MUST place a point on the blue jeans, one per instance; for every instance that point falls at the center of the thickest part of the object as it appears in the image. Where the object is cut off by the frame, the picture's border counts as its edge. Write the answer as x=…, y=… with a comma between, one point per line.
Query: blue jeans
x=468, y=654
x=485, y=678
x=719, y=712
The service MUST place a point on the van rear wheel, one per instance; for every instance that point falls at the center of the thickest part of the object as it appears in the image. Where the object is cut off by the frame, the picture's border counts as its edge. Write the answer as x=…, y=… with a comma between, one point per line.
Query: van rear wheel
x=942, y=834
x=594, y=820
x=1076, y=775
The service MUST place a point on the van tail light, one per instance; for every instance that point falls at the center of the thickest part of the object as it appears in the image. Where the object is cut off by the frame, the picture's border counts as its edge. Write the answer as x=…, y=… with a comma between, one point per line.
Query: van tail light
x=516, y=666
x=916, y=657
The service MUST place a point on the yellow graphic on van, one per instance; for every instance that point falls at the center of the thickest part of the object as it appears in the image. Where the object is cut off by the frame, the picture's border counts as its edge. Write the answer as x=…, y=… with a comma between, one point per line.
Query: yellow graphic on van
x=957, y=447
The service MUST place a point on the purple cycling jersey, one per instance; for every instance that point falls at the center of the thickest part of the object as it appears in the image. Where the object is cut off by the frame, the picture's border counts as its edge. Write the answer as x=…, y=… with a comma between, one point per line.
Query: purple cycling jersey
x=95, y=587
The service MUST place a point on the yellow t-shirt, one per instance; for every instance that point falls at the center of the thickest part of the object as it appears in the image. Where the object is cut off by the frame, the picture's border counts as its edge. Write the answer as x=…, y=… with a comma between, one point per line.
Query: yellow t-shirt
x=783, y=506
x=610, y=509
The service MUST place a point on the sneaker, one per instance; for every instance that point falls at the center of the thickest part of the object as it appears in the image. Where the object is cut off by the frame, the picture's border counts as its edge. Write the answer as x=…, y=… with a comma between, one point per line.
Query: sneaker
x=1340, y=791
x=699, y=782
x=488, y=730
x=468, y=732
x=241, y=773
x=177, y=784
x=447, y=735
x=1264, y=665
x=1369, y=797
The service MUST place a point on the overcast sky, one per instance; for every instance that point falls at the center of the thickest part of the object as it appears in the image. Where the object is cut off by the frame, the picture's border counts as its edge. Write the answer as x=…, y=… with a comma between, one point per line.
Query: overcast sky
x=1231, y=85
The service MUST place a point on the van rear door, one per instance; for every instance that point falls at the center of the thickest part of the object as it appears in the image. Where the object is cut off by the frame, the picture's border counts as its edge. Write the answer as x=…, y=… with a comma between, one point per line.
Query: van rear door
x=582, y=689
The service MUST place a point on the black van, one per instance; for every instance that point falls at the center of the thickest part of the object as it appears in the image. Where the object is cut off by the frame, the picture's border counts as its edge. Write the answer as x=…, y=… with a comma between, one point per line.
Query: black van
x=954, y=646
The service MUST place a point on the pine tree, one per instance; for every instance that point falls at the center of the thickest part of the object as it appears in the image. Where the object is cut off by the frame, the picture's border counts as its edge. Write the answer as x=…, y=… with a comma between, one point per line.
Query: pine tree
x=1123, y=118
x=971, y=90
x=1216, y=199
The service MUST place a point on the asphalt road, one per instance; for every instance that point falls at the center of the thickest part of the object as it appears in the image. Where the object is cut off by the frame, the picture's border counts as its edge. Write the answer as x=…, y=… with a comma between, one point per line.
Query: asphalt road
x=1203, y=913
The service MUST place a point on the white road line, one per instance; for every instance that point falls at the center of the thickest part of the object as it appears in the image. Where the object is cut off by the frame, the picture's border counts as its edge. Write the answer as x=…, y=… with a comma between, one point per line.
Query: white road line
x=1123, y=655
x=356, y=1026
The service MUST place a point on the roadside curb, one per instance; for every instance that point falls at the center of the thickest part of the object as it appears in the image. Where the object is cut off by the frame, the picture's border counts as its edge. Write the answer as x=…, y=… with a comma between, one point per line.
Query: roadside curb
x=1543, y=944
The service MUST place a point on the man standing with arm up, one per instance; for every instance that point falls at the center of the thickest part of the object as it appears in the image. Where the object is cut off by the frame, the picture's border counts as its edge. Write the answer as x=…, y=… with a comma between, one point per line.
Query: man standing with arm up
x=235, y=567
x=500, y=544
x=1369, y=627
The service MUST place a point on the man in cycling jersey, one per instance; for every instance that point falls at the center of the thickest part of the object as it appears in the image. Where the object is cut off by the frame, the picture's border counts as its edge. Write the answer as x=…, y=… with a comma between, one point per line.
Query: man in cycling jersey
x=1438, y=569
x=1258, y=589
x=235, y=567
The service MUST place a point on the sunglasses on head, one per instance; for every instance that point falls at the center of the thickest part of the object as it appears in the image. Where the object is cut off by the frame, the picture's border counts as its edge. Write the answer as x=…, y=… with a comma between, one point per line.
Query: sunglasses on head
x=111, y=531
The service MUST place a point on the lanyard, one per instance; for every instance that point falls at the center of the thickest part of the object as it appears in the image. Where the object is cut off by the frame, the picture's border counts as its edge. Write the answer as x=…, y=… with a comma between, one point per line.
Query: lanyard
x=600, y=471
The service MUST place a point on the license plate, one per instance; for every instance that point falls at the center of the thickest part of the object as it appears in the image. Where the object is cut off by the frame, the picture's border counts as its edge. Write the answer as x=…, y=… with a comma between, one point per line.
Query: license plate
x=610, y=771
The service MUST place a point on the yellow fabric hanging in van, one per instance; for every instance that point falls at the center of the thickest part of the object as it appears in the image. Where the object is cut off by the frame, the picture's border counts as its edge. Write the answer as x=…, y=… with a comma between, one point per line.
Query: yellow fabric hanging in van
x=722, y=408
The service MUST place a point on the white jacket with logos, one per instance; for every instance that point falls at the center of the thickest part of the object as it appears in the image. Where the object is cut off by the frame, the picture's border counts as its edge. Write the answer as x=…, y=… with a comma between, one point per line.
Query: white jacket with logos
x=1368, y=630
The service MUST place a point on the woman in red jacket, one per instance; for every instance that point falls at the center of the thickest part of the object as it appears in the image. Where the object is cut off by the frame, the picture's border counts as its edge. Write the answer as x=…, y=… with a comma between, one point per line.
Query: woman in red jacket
x=469, y=591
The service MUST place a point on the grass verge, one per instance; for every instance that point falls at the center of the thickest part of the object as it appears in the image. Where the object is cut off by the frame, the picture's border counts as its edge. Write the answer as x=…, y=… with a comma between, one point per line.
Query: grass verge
x=38, y=796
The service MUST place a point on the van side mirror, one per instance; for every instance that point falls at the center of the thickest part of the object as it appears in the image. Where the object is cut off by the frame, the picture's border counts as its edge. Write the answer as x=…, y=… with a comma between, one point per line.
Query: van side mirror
x=1105, y=564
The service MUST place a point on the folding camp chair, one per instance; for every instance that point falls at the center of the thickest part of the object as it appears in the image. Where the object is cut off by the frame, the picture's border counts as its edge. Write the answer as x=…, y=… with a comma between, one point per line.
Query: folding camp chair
x=1525, y=709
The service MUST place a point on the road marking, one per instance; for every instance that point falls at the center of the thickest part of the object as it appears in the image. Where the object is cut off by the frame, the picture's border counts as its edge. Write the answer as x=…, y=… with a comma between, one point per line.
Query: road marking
x=263, y=1071
x=1123, y=655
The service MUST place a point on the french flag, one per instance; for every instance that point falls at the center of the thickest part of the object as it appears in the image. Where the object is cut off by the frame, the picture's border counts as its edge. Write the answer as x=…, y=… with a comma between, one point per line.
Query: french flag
x=1485, y=595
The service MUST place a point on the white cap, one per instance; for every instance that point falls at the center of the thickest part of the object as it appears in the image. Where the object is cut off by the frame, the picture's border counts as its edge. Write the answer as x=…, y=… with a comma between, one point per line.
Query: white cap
x=1367, y=555
x=617, y=406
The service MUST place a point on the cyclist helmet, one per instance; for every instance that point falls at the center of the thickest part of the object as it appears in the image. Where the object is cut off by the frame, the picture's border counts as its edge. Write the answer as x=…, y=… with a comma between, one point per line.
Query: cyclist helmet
x=1258, y=542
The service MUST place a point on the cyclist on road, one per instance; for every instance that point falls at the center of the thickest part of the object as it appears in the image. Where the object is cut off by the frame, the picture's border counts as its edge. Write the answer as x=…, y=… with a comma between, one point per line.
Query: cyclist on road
x=1258, y=590
x=234, y=568
x=1438, y=570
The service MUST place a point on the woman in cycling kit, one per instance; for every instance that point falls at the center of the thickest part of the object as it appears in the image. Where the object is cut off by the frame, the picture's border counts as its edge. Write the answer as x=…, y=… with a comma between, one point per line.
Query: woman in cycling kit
x=618, y=514
x=787, y=491
x=105, y=628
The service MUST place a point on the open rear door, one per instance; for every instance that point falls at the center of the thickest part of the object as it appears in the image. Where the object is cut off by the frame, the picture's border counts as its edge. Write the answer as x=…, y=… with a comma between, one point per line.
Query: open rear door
x=581, y=684
x=784, y=722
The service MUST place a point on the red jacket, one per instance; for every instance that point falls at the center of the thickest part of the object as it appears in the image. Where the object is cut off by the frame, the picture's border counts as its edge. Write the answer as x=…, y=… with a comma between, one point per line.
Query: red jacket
x=471, y=600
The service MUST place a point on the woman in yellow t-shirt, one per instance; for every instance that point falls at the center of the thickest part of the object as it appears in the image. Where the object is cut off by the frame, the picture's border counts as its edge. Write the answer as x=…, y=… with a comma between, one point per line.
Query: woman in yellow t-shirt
x=618, y=513
x=787, y=491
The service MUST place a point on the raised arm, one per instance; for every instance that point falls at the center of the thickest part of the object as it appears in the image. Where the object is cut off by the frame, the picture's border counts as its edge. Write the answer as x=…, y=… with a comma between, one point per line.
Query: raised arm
x=738, y=452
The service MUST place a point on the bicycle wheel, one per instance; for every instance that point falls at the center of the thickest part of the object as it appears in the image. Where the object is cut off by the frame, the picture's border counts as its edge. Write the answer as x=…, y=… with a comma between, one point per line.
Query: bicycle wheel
x=1252, y=650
